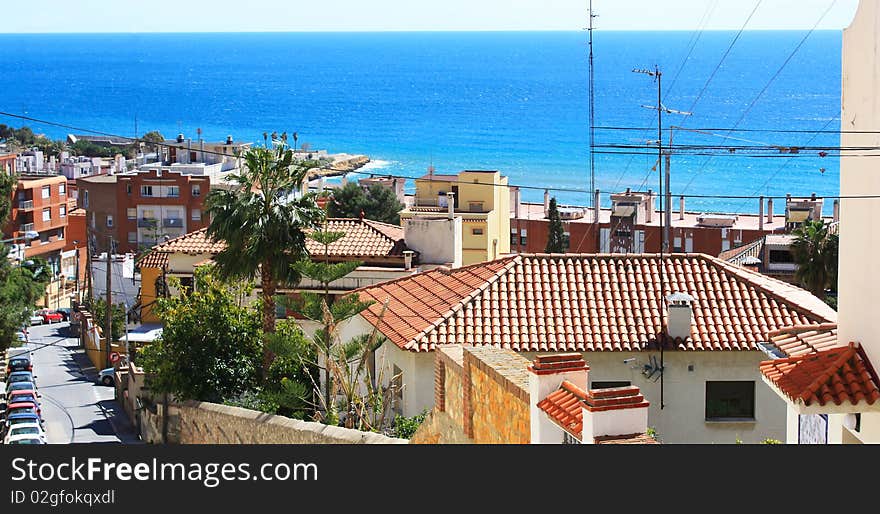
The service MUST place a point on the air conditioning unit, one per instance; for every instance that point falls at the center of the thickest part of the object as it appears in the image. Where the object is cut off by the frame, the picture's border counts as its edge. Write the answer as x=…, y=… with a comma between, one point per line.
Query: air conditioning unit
x=717, y=220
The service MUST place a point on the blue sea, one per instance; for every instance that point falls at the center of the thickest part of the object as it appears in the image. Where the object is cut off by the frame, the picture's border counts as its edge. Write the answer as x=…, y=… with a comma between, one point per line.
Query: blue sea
x=513, y=101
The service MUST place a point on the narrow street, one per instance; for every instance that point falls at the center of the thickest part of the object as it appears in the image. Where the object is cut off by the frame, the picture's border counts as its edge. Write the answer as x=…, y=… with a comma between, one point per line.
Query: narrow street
x=76, y=409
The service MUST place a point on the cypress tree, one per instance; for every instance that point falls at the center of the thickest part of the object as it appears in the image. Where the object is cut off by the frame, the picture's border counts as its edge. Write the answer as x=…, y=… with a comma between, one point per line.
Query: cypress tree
x=556, y=237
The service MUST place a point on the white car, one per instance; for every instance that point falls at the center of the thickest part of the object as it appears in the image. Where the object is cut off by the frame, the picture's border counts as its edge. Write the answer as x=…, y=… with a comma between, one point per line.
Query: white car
x=36, y=319
x=25, y=431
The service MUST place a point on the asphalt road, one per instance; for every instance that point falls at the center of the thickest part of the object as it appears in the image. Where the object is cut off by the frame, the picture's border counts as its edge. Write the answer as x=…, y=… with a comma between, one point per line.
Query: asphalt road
x=75, y=408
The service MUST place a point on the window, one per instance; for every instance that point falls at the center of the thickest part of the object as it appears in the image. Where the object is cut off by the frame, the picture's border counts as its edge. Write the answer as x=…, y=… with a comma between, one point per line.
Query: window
x=62, y=188
x=46, y=191
x=86, y=199
x=62, y=211
x=475, y=206
x=61, y=233
x=196, y=214
x=173, y=191
x=725, y=245
x=676, y=244
x=186, y=282
x=128, y=188
x=47, y=214
x=146, y=190
x=523, y=236
x=109, y=220
x=566, y=241
x=608, y=384
x=781, y=256
x=513, y=237
x=131, y=213
x=132, y=237
x=477, y=231
x=730, y=401
x=197, y=189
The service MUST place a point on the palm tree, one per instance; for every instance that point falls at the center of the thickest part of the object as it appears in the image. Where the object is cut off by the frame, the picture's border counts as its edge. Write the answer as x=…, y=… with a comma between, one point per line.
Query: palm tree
x=815, y=252
x=262, y=220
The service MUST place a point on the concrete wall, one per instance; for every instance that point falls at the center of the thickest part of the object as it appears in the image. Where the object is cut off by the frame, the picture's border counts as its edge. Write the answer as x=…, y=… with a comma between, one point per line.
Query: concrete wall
x=438, y=240
x=859, y=292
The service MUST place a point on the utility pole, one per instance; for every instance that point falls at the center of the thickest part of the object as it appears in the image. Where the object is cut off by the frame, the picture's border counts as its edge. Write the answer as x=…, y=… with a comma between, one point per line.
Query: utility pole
x=108, y=323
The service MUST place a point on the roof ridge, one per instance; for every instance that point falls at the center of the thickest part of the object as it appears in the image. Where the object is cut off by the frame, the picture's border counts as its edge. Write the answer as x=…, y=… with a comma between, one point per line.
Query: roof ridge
x=745, y=274
x=459, y=305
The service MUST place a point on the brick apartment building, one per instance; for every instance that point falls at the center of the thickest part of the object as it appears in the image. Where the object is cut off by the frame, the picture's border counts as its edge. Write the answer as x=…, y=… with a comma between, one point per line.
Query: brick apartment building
x=632, y=225
x=143, y=208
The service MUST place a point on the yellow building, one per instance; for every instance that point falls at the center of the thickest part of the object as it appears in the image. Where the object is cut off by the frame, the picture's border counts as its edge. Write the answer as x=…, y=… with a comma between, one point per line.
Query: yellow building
x=480, y=198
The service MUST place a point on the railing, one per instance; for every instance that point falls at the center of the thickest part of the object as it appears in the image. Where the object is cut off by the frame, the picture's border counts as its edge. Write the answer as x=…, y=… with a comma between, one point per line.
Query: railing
x=26, y=204
x=172, y=223
x=148, y=222
x=26, y=227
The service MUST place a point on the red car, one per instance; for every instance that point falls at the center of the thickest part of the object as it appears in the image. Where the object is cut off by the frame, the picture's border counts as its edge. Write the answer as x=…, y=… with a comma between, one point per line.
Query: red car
x=50, y=316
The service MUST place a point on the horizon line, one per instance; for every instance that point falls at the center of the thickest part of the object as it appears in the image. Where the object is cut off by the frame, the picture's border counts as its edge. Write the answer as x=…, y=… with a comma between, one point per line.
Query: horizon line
x=410, y=31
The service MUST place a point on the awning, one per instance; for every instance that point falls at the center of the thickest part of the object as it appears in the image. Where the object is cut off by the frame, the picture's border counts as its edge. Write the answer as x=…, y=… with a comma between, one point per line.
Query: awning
x=798, y=216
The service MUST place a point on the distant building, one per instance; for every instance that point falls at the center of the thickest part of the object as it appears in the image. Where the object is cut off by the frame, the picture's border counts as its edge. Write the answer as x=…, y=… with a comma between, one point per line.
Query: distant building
x=632, y=225
x=393, y=183
x=481, y=199
x=143, y=208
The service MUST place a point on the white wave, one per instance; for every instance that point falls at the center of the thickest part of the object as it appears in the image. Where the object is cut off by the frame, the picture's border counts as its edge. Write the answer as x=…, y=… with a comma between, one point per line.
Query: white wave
x=377, y=164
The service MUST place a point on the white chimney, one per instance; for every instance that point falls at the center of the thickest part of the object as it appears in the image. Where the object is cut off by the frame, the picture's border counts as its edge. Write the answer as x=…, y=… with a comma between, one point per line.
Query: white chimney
x=681, y=207
x=619, y=411
x=770, y=210
x=761, y=213
x=649, y=212
x=407, y=259
x=546, y=375
x=450, y=200
x=596, y=208
x=836, y=210
x=546, y=202
x=679, y=306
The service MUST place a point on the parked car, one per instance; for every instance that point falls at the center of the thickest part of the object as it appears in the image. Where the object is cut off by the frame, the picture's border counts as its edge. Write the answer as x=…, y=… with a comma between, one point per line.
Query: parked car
x=21, y=385
x=31, y=429
x=13, y=419
x=20, y=376
x=20, y=362
x=107, y=376
x=36, y=319
x=22, y=336
x=23, y=402
x=50, y=316
x=65, y=313
x=26, y=439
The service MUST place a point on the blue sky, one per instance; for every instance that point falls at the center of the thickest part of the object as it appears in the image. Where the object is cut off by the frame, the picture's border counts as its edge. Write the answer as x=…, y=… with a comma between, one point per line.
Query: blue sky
x=385, y=15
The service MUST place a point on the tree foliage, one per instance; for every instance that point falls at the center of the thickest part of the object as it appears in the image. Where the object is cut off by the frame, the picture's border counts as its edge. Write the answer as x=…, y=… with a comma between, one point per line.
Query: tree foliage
x=556, y=237
x=99, y=309
x=210, y=345
x=378, y=203
x=263, y=220
x=21, y=284
x=815, y=251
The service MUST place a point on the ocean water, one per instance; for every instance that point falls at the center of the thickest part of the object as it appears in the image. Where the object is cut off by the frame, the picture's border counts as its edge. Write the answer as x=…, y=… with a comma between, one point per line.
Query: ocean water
x=513, y=101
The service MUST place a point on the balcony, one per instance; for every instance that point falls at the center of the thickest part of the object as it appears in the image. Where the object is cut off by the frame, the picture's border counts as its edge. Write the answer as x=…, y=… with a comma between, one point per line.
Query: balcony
x=148, y=223
x=26, y=227
x=172, y=222
x=26, y=205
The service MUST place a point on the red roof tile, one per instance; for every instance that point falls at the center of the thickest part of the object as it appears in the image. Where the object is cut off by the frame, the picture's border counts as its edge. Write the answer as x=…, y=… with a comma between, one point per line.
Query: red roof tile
x=154, y=260
x=564, y=407
x=837, y=375
x=576, y=303
x=804, y=339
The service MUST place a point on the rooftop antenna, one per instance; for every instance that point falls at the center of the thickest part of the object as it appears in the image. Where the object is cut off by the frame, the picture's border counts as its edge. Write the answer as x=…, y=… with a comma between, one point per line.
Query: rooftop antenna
x=592, y=112
x=431, y=165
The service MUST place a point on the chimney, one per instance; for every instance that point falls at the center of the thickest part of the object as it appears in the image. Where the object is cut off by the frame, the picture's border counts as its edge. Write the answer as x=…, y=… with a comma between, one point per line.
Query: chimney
x=681, y=207
x=649, y=212
x=450, y=200
x=517, y=202
x=596, y=207
x=546, y=375
x=228, y=140
x=546, y=202
x=836, y=217
x=407, y=259
x=678, y=324
x=770, y=210
x=614, y=412
x=180, y=138
x=761, y=213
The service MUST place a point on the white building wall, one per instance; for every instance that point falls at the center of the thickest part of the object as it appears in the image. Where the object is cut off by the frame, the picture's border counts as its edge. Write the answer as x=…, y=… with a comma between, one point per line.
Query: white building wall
x=614, y=422
x=858, y=291
x=438, y=241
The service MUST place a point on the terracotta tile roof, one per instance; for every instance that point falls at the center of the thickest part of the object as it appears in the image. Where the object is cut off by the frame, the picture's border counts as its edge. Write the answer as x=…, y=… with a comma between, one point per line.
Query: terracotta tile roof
x=564, y=407
x=626, y=439
x=363, y=238
x=154, y=260
x=804, y=339
x=576, y=303
x=837, y=375
x=615, y=398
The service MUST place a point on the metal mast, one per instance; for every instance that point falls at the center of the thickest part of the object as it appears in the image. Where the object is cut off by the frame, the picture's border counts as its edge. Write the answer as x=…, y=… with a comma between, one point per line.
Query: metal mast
x=592, y=115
